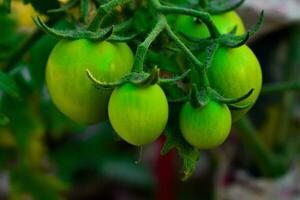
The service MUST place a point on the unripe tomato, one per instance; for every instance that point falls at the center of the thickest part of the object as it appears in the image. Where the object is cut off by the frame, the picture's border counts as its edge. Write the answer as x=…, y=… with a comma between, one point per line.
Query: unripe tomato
x=205, y=127
x=233, y=73
x=224, y=22
x=70, y=88
x=138, y=114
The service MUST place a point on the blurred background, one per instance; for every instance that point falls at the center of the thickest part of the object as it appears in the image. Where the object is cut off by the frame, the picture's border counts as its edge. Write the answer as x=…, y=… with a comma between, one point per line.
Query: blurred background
x=45, y=156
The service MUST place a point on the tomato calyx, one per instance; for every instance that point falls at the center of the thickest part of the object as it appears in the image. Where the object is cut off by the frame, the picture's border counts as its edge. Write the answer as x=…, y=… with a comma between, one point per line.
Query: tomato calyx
x=230, y=101
x=111, y=33
x=138, y=78
x=223, y=6
x=230, y=40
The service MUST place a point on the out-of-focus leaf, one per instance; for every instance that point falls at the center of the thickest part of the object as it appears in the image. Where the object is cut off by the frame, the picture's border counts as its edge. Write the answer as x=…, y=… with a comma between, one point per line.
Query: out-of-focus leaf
x=36, y=184
x=5, y=6
x=100, y=153
x=25, y=121
x=4, y=120
x=8, y=85
x=39, y=54
x=123, y=169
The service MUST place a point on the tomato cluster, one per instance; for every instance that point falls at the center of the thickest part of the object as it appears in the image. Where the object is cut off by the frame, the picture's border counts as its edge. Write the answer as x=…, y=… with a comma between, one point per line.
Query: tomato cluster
x=139, y=113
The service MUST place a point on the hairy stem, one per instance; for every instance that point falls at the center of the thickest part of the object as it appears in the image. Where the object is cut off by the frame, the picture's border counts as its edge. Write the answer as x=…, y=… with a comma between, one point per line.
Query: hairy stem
x=102, y=11
x=203, y=16
x=144, y=46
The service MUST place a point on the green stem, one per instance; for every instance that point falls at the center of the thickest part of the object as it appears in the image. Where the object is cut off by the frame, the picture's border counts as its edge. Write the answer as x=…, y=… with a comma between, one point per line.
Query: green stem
x=144, y=46
x=203, y=16
x=203, y=3
x=102, y=11
x=267, y=162
x=201, y=81
x=280, y=87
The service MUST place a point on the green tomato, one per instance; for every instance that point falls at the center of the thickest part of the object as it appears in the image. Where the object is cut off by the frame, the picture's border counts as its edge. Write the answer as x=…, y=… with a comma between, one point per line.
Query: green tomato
x=69, y=86
x=224, y=22
x=233, y=73
x=138, y=114
x=205, y=127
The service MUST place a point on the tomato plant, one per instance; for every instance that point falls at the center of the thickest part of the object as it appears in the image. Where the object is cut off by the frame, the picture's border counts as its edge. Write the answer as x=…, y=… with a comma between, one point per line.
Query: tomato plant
x=93, y=77
x=138, y=114
x=205, y=127
x=70, y=88
x=233, y=73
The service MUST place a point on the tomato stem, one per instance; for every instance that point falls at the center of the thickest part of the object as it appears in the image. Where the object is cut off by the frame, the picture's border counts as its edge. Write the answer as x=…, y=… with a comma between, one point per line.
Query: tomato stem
x=144, y=46
x=203, y=3
x=102, y=11
x=203, y=16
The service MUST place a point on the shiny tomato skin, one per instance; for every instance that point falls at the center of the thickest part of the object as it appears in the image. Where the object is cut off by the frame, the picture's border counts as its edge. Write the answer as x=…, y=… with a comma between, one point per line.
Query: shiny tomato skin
x=205, y=127
x=138, y=114
x=224, y=22
x=233, y=73
x=69, y=86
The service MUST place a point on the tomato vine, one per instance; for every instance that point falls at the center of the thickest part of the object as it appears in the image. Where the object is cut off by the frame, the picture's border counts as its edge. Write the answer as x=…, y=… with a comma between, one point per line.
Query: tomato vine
x=198, y=90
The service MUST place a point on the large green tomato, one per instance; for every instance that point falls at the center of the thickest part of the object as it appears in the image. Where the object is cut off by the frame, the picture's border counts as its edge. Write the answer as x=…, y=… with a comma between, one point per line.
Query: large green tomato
x=224, y=22
x=138, y=114
x=233, y=73
x=70, y=88
x=205, y=127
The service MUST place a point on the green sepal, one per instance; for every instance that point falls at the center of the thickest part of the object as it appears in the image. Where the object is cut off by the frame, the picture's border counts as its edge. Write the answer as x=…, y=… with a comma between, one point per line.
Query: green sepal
x=217, y=7
x=188, y=154
x=75, y=34
x=151, y=79
x=123, y=26
x=65, y=7
x=232, y=41
x=173, y=80
x=217, y=97
x=107, y=85
x=198, y=98
x=235, y=41
x=210, y=51
x=258, y=25
x=237, y=107
x=122, y=38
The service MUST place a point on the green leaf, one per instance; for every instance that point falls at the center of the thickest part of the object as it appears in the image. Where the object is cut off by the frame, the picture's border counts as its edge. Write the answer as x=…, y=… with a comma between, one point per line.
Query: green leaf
x=4, y=120
x=8, y=85
x=38, y=185
x=188, y=154
x=5, y=6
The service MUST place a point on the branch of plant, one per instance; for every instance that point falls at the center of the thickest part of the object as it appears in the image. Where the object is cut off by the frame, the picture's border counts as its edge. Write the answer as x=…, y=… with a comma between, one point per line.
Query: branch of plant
x=269, y=164
x=102, y=11
x=144, y=46
x=203, y=16
x=280, y=87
